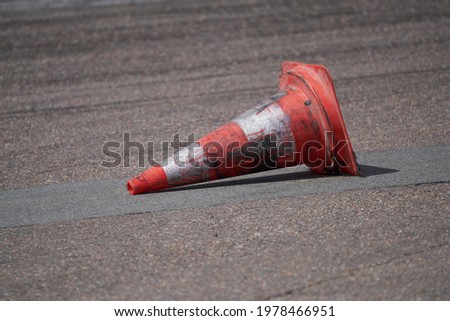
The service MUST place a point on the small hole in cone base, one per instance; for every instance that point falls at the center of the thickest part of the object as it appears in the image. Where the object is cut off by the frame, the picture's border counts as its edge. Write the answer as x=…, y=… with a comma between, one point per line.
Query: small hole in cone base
x=130, y=189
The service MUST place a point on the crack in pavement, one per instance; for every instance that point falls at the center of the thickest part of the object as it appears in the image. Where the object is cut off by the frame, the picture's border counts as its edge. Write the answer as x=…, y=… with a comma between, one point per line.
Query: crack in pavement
x=299, y=290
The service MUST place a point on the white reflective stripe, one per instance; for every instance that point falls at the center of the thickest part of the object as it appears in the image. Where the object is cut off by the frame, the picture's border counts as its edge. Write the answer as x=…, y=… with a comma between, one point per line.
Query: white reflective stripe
x=256, y=124
x=186, y=166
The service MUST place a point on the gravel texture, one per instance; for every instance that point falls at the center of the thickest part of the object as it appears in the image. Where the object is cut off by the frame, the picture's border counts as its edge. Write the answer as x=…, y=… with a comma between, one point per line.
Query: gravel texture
x=74, y=78
x=74, y=75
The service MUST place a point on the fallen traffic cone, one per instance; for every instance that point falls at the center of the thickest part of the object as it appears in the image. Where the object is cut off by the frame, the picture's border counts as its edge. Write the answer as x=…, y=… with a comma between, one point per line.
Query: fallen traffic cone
x=301, y=124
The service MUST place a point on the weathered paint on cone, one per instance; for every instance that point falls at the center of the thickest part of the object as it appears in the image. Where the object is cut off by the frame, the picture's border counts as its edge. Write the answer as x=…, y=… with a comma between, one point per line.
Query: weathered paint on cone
x=301, y=124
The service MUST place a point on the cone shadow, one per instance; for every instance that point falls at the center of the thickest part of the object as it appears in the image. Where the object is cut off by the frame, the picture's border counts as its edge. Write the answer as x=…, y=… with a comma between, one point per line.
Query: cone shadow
x=250, y=180
x=366, y=171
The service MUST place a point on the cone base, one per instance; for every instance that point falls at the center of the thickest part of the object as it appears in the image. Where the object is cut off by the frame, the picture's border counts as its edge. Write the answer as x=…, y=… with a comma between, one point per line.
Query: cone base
x=318, y=78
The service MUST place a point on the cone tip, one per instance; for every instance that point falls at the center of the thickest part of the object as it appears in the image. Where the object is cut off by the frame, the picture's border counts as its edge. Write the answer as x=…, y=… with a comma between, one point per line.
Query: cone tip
x=137, y=185
x=130, y=188
x=151, y=180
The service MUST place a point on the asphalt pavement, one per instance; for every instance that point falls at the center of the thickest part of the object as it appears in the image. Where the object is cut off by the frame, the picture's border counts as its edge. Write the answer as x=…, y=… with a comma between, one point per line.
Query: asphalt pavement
x=77, y=74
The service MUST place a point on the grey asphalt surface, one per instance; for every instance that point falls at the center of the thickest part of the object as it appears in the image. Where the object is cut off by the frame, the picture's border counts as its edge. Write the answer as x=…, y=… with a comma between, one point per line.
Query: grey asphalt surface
x=76, y=75
x=363, y=245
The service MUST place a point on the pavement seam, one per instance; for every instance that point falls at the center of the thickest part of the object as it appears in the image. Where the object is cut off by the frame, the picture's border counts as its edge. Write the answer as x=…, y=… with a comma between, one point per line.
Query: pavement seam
x=101, y=198
x=219, y=204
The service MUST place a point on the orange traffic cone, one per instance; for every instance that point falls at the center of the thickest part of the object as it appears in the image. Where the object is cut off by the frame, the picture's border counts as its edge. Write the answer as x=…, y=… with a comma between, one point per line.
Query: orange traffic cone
x=301, y=124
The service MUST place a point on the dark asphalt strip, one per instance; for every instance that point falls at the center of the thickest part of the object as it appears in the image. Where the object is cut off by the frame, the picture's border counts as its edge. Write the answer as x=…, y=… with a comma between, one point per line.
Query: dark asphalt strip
x=63, y=202
x=6, y=6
